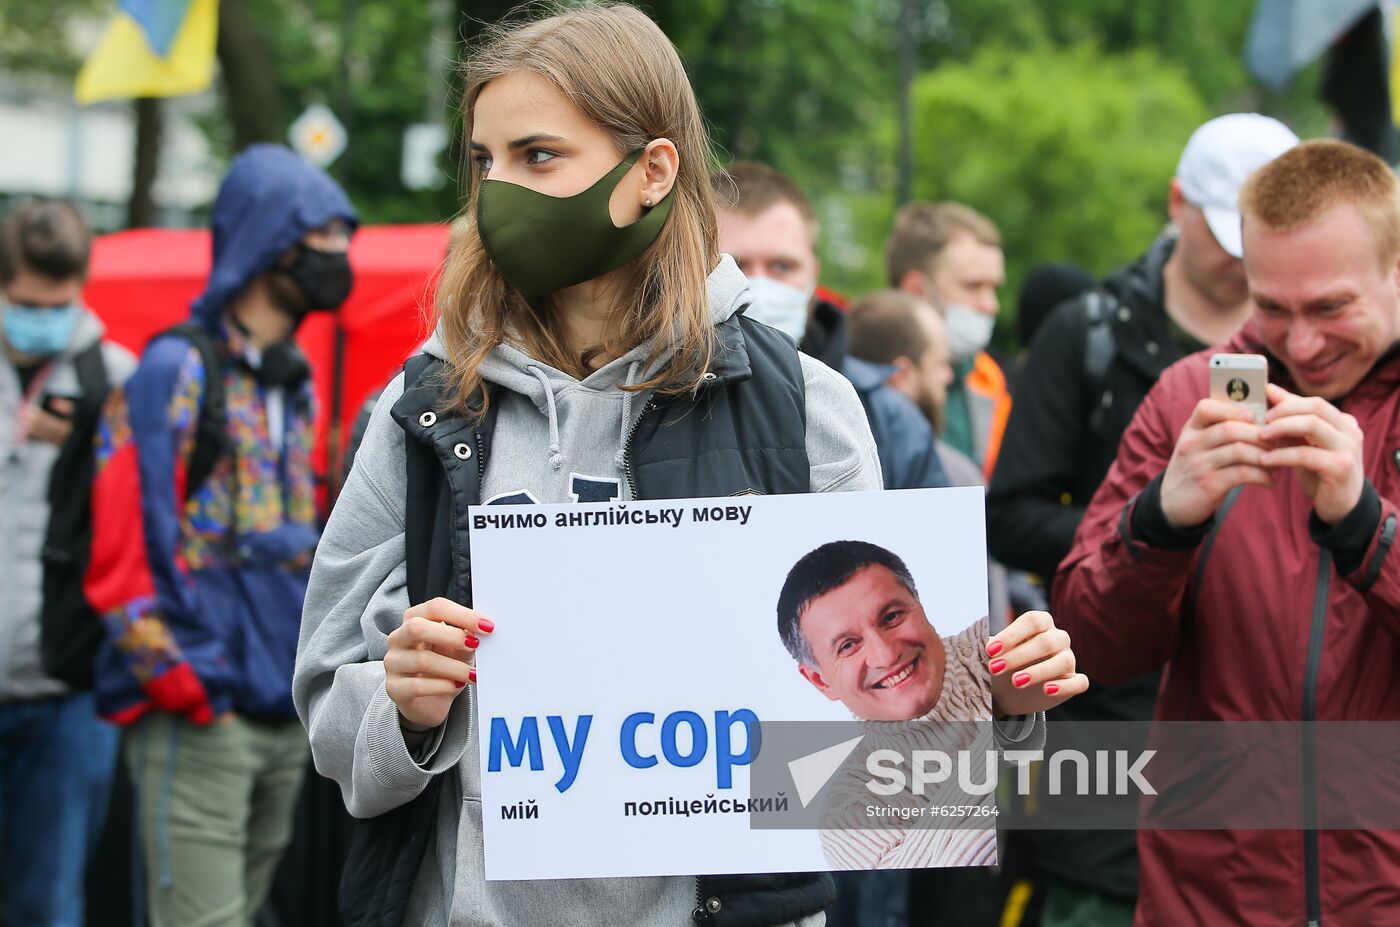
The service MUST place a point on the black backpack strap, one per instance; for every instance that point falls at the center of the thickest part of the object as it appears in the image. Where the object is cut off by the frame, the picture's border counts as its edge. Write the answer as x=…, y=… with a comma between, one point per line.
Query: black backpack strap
x=211, y=434
x=1099, y=351
x=91, y=368
x=70, y=633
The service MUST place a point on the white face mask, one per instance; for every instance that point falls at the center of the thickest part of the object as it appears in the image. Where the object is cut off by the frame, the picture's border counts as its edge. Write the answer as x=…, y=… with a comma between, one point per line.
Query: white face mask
x=780, y=306
x=969, y=331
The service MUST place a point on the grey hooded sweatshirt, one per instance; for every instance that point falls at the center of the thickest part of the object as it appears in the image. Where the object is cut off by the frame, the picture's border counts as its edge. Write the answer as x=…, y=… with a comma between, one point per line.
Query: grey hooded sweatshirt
x=24, y=498
x=557, y=439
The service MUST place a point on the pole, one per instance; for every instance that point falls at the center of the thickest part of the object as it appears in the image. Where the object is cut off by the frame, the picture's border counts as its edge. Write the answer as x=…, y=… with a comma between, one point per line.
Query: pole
x=141, y=208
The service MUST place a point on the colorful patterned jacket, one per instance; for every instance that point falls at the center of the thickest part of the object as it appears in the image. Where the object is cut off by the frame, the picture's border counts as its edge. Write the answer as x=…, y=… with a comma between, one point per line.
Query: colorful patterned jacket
x=201, y=596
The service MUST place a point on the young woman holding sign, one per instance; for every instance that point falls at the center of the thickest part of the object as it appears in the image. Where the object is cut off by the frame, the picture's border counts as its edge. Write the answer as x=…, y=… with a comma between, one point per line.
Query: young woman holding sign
x=587, y=325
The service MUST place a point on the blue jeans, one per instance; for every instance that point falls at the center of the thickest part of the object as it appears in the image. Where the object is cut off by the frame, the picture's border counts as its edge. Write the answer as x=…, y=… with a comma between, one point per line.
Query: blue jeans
x=57, y=759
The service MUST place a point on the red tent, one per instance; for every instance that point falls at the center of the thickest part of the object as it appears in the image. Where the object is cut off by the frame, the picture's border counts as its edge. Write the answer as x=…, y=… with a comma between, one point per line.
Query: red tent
x=143, y=281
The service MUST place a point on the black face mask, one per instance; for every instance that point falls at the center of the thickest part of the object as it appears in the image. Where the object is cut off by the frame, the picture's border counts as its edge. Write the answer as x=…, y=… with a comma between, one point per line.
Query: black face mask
x=323, y=277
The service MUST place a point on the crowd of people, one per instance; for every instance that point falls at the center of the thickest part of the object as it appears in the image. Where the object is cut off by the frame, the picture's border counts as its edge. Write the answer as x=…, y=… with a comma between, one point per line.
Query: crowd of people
x=612, y=306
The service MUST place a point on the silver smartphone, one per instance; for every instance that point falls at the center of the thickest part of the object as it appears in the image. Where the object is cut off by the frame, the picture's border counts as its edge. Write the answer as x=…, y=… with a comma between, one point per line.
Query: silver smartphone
x=1241, y=378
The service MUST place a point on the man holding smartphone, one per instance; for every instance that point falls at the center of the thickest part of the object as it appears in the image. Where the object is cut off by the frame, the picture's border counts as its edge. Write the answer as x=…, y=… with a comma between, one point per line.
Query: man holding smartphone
x=56, y=757
x=1089, y=367
x=1297, y=617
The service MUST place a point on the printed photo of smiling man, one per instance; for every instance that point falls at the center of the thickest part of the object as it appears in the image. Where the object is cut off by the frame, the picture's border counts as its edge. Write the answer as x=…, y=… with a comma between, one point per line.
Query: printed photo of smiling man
x=849, y=613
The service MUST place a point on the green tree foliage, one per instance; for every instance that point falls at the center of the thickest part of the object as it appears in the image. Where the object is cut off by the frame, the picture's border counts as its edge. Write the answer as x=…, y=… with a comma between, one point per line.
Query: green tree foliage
x=34, y=35
x=811, y=86
x=1205, y=36
x=372, y=62
x=786, y=81
x=1069, y=150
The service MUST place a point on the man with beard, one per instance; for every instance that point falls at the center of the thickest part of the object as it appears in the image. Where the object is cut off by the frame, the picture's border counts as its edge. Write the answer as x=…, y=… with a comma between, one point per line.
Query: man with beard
x=204, y=523
x=906, y=335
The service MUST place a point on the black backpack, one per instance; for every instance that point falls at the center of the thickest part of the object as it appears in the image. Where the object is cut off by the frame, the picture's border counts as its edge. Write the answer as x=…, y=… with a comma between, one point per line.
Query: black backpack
x=387, y=851
x=70, y=633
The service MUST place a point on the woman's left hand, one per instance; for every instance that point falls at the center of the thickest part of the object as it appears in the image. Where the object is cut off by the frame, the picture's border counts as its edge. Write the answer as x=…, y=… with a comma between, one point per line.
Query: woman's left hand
x=1032, y=666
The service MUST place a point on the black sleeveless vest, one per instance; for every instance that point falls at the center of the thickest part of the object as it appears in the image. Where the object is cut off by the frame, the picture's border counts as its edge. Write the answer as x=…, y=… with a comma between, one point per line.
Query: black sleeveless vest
x=743, y=432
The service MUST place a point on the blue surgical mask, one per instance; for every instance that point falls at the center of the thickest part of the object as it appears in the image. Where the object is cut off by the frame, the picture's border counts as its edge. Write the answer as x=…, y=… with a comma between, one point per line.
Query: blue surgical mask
x=39, y=331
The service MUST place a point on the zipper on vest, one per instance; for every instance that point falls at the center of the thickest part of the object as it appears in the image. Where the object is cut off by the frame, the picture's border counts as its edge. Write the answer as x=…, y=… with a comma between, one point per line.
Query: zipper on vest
x=627, y=454
x=1312, y=880
x=699, y=916
x=480, y=461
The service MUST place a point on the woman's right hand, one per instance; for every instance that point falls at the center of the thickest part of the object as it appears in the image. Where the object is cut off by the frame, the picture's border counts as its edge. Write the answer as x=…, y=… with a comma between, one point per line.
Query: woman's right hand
x=431, y=658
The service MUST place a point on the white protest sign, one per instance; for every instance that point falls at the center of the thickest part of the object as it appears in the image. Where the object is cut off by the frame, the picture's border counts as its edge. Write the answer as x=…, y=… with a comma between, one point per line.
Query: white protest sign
x=637, y=655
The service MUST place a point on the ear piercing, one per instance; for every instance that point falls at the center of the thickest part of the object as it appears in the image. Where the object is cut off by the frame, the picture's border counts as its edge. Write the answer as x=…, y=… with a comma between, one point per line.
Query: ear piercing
x=647, y=202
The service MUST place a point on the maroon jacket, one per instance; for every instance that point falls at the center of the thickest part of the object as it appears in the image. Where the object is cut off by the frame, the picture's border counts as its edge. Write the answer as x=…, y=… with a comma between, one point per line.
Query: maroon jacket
x=1277, y=634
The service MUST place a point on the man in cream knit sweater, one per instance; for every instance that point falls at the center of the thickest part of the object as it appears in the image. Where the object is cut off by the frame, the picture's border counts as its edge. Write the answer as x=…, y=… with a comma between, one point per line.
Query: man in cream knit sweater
x=850, y=615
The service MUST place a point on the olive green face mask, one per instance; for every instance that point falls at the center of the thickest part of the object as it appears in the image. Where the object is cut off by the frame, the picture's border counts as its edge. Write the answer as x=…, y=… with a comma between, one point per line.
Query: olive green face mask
x=543, y=243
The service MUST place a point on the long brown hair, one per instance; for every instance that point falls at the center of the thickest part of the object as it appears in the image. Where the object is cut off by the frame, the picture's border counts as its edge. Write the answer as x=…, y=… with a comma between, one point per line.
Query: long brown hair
x=621, y=71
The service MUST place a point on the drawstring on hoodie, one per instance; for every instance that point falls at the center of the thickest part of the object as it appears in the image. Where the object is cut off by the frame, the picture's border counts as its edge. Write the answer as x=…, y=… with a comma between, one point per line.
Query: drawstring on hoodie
x=556, y=454
x=621, y=458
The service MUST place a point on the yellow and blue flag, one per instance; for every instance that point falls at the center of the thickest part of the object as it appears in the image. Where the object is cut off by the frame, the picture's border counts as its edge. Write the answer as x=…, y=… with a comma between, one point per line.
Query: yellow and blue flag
x=153, y=48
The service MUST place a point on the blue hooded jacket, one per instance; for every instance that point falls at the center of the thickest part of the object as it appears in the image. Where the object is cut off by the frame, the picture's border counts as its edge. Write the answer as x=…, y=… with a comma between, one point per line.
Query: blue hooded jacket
x=268, y=201
x=904, y=438
x=201, y=596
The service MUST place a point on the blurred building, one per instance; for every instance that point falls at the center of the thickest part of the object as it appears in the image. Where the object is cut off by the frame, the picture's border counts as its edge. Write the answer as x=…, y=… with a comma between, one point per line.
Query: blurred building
x=53, y=147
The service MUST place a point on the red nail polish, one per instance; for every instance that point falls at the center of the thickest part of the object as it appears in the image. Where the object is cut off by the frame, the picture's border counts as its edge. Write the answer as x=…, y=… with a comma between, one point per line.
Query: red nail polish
x=472, y=642
x=471, y=674
x=1051, y=688
x=993, y=648
x=486, y=626
x=460, y=685
x=1020, y=679
x=997, y=666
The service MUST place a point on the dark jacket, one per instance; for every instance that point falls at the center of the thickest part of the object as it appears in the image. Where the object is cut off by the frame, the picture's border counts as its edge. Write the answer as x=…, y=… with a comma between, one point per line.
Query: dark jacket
x=908, y=454
x=826, y=338
x=908, y=458
x=1070, y=413
x=1066, y=424
x=1291, y=622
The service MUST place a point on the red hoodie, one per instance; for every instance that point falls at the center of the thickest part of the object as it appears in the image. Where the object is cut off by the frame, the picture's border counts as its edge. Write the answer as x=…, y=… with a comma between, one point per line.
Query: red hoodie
x=1277, y=634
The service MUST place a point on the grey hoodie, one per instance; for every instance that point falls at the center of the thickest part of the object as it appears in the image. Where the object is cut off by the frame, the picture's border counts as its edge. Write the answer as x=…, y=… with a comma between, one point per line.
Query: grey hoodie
x=556, y=440
x=24, y=498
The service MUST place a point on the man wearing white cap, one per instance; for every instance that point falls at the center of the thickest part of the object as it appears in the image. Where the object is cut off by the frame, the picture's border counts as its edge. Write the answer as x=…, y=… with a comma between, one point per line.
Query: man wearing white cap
x=1089, y=368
